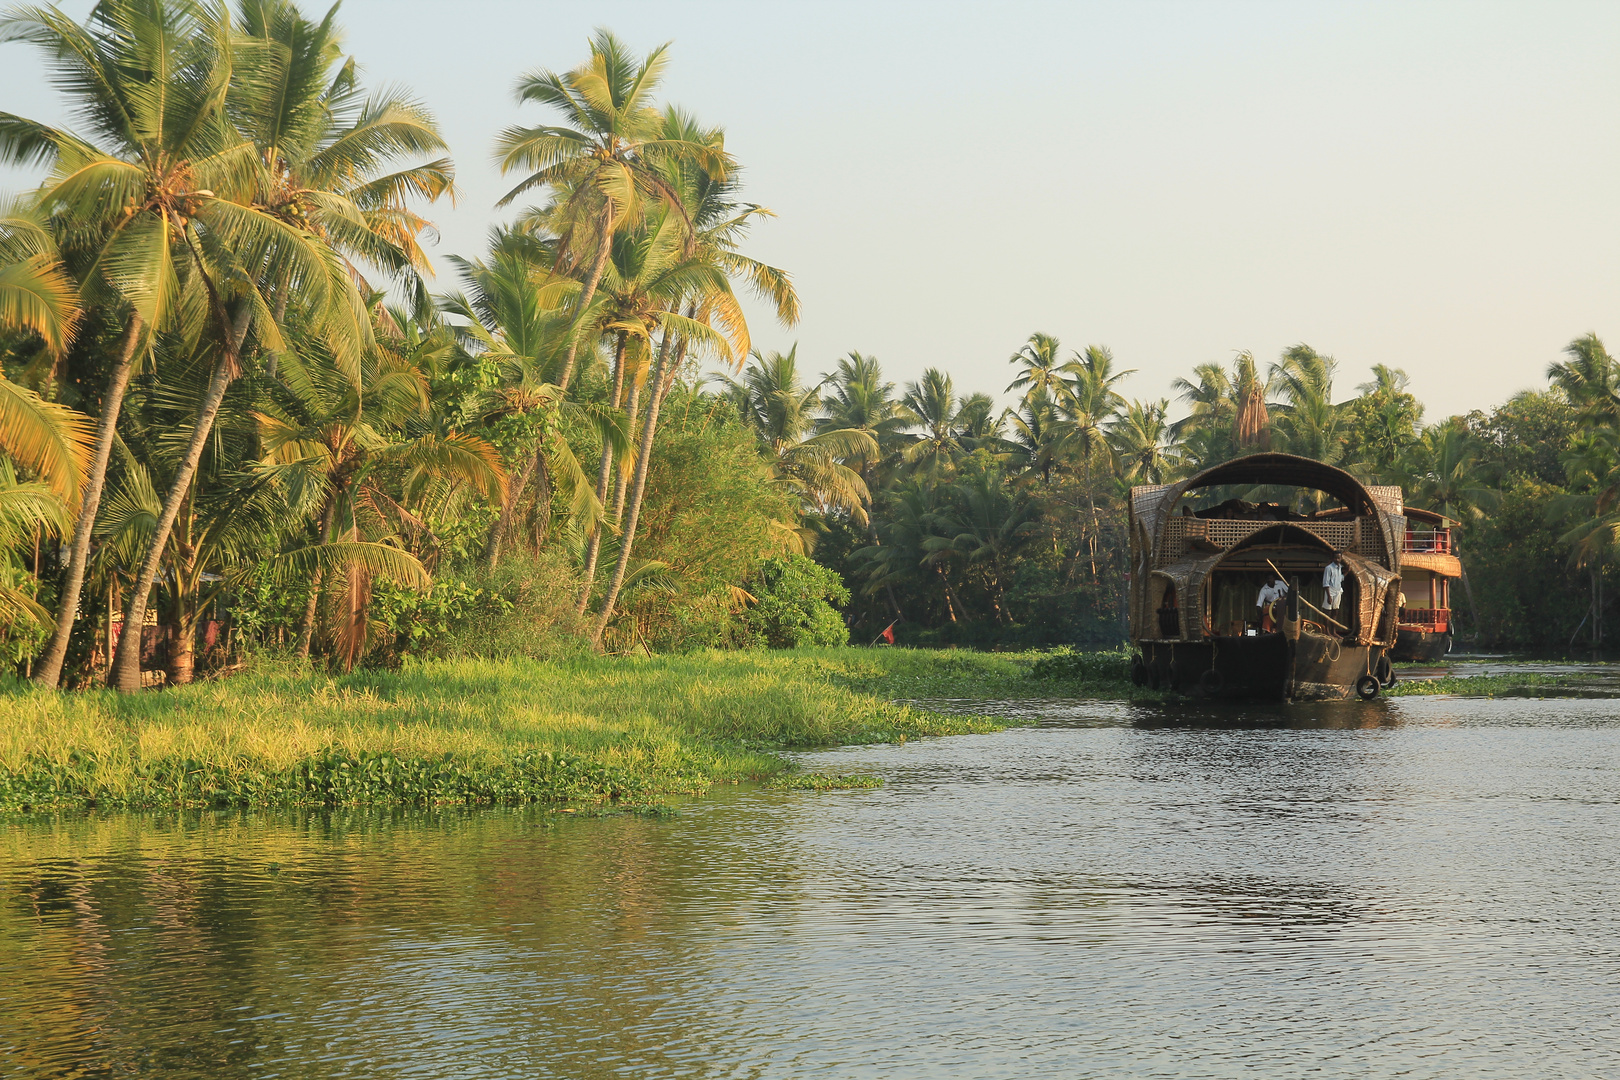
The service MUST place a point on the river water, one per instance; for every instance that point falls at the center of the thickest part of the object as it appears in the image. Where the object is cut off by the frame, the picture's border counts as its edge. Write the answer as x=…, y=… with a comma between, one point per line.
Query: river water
x=1418, y=887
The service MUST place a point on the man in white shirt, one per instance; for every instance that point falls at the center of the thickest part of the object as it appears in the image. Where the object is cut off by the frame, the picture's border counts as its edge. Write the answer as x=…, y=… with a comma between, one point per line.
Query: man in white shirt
x=1269, y=596
x=1333, y=582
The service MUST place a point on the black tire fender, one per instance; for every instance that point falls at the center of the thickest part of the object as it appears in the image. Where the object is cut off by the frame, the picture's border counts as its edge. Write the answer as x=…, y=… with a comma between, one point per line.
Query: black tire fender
x=1367, y=687
x=1211, y=682
x=1385, y=671
x=1139, y=671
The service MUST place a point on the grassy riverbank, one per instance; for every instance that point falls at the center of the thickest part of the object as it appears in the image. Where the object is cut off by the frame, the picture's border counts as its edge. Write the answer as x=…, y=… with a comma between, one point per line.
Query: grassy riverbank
x=588, y=728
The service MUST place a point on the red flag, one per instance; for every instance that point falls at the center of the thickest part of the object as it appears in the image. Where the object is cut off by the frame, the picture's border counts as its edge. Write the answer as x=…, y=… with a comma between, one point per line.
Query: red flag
x=888, y=633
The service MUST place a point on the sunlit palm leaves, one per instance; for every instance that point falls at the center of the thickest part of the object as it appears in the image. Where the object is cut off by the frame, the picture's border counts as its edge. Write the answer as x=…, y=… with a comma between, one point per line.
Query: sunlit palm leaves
x=338, y=160
x=1140, y=441
x=1309, y=424
x=604, y=162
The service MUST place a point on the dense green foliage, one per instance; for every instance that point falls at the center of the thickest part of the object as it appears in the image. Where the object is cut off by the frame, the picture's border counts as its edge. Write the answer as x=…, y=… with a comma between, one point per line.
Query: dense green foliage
x=216, y=430
x=792, y=604
x=1007, y=530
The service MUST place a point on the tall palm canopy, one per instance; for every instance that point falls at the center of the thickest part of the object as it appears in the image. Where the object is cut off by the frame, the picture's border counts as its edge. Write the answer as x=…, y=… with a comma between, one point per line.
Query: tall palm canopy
x=611, y=154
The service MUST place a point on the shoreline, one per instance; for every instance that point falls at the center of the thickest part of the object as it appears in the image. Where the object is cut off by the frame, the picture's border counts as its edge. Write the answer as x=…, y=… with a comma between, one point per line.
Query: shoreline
x=584, y=729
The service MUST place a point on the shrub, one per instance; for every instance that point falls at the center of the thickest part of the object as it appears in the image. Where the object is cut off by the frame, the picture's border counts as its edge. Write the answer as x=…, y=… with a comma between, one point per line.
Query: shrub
x=793, y=604
x=524, y=608
x=1086, y=667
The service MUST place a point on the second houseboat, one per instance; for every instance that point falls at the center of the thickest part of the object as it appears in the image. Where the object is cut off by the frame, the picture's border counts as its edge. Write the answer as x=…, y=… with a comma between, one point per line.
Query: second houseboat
x=1429, y=565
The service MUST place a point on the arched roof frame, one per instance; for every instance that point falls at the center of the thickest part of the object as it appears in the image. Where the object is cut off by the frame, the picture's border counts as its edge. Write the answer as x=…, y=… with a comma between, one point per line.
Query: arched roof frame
x=1155, y=506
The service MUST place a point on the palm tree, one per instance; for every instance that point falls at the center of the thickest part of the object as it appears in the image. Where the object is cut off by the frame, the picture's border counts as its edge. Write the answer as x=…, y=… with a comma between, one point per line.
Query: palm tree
x=37, y=298
x=613, y=158
x=1209, y=396
x=1227, y=413
x=161, y=202
x=28, y=511
x=981, y=427
x=1383, y=424
x=1249, y=391
x=1088, y=404
x=331, y=151
x=985, y=524
x=653, y=269
x=50, y=440
x=1138, y=438
x=1034, y=435
x=330, y=437
x=36, y=294
x=781, y=409
x=1590, y=378
x=859, y=399
x=721, y=222
x=1043, y=373
x=936, y=450
x=513, y=318
x=1086, y=408
x=1310, y=421
x=1445, y=475
x=900, y=556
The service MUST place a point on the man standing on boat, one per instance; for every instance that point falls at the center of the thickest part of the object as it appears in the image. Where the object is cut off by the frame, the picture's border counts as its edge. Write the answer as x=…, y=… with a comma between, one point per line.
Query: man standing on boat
x=1333, y=581
x=1270, y=596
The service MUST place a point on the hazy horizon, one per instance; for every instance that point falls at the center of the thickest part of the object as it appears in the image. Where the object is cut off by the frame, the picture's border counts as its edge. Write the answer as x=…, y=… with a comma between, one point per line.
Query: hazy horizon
x=1425, y=186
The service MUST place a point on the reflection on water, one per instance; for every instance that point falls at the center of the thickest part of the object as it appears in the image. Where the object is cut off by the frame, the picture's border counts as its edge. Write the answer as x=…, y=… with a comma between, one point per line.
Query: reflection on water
x=1415, y=887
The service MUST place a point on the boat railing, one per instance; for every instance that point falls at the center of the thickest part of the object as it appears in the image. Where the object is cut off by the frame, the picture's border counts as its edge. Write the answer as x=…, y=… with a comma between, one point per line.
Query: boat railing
x=1435, y=540
x=1429, y=620
x=1218, y=534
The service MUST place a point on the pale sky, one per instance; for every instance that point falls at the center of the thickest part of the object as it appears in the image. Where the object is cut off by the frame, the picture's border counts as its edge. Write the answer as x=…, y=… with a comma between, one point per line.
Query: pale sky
x=1427, y=185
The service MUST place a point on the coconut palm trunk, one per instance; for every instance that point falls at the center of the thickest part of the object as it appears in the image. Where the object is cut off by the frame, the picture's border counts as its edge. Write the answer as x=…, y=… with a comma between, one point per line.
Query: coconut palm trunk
x=659, y=383
x=306, y=621
x=622, y=485
x=49, y=672
x=183, y=612
x=126, y=669
x=604, y=470
x=950, y=594
x=503, y=522
x=598, y=266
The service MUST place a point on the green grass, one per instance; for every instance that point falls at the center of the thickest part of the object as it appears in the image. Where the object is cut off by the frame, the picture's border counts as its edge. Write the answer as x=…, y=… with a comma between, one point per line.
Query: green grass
x=585, y=729
x=910, y=674
x=826, y=781
x=1519, y=684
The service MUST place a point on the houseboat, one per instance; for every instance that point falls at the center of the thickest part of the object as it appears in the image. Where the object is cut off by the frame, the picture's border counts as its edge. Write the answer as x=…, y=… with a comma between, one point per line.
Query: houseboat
x=1429, y=565
x=1230, y=589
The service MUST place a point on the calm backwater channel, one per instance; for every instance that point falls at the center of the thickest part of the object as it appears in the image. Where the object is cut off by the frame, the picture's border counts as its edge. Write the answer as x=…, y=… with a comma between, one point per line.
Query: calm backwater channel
x=1421, y=887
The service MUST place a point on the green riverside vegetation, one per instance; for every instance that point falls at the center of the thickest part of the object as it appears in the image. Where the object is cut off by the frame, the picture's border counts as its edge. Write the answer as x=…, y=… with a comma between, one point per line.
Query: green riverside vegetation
x=587, y=729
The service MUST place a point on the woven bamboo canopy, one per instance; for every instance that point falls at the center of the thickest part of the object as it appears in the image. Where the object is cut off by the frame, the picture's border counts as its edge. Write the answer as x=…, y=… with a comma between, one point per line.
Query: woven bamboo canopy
x=1285, y=470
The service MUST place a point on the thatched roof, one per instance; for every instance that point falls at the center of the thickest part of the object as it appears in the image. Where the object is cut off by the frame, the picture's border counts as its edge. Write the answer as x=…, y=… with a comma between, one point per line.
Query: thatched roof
x=1287, y=470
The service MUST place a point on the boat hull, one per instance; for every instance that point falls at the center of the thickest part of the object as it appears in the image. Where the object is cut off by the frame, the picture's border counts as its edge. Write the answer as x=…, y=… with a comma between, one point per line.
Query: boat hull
x=1420, y=646
x=1266, y=666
